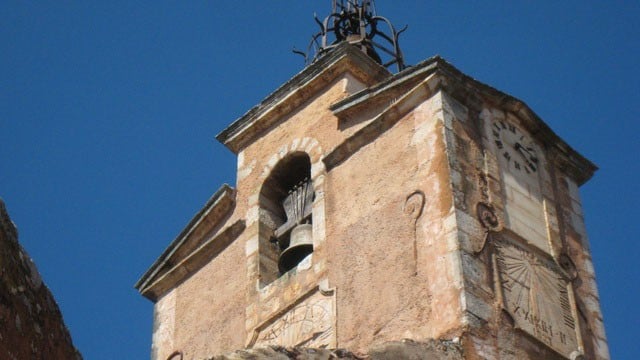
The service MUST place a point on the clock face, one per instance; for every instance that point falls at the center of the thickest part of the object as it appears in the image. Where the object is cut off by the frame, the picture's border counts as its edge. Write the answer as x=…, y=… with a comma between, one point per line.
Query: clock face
x=521, y=164
x=514, y=147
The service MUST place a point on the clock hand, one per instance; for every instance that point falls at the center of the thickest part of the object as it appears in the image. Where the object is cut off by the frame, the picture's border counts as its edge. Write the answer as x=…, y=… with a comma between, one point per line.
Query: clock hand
x=521, y=149
x=527, y=156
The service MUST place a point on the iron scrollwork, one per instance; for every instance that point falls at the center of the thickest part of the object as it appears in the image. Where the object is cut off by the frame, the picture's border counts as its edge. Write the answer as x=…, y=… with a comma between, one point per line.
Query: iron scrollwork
x=356, y=22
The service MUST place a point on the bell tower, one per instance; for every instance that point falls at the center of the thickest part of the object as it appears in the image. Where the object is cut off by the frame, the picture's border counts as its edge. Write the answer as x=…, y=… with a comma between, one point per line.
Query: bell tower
x=410, y=214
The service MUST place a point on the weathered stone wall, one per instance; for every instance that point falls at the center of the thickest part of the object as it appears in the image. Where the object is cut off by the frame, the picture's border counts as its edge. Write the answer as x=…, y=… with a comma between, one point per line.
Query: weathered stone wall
x=577, y=248
x=391, y=257
x=218, y=308
x=206, y=312
x=381, y=240
x=381, y=235
x=31, y=325
x=549, y=205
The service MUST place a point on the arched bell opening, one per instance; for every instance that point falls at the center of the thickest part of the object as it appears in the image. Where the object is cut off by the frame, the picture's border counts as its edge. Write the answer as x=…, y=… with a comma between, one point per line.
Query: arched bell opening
x=286, y=200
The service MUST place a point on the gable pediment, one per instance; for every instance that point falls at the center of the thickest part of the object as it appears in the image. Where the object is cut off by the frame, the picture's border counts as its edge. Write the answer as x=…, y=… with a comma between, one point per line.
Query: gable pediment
x=305, y=85
x=206, y=235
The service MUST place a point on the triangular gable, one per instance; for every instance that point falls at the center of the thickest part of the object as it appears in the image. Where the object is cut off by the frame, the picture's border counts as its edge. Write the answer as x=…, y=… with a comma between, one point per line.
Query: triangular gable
x=202, y=239
x=309, y=82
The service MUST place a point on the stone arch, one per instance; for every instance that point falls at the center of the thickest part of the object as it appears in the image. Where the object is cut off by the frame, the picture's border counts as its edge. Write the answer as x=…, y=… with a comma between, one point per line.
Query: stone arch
x=308, y=145
x=265, y=213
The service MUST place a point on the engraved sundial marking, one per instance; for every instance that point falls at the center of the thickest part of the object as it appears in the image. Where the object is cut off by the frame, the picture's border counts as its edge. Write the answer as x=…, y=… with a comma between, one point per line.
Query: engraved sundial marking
x=536, y=294
x=304, y=323
x=309, y=323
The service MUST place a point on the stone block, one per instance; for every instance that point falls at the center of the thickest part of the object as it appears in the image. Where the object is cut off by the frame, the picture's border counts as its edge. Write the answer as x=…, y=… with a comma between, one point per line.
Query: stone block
x=433, y=350
x=602, y=349
x=477, y=306
x=476, y=273
x=251, y=246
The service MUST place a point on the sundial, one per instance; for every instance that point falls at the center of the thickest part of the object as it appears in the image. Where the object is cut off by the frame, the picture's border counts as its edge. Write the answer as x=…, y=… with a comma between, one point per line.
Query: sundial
x=538, y=295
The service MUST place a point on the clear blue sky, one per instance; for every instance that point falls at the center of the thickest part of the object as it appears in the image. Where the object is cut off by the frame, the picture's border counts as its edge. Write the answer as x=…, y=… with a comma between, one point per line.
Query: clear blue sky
x=108, y=112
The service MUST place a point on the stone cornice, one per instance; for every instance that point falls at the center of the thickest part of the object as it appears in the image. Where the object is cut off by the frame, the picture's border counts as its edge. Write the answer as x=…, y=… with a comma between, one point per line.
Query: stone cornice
x=302, y=87
x=194, y=261
x=469, y=91
x=383, y=121
x=213, y=214
x=388, y=90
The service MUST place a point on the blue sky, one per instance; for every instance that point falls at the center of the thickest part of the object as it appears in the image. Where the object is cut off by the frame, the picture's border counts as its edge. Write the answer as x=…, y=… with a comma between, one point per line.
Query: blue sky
x=108, y=112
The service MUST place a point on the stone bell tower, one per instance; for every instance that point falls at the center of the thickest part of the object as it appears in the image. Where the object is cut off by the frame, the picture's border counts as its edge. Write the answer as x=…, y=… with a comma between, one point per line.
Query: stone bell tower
x=372, y=207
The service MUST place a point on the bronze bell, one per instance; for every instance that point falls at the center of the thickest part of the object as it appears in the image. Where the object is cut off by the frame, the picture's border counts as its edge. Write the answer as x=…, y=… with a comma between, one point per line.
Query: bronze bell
x=300, y=246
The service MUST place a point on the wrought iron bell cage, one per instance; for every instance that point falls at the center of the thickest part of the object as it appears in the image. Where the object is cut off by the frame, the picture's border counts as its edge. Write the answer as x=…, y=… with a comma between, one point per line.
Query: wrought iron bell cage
x=356, y=22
